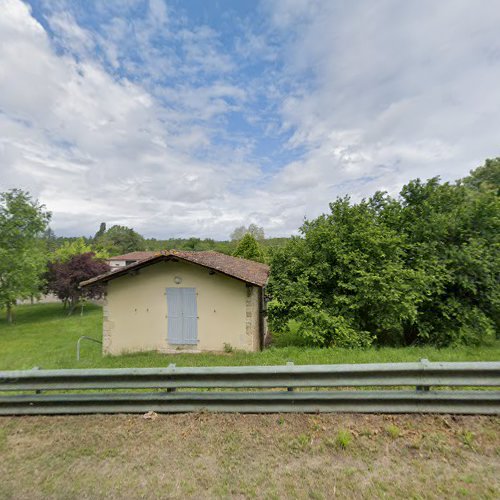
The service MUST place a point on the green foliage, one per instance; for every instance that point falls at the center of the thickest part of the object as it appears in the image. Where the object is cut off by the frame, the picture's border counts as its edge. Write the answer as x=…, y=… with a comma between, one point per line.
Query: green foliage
x=248, y=248
x=468, y=439
x=486, y=177
x=118, y=240
x=343, y=439
x=101, y=231
x=422, y=268
x=393, y=431
x=49, y=239
x=22, y=251
x=300, y=443
x=344, y=280
x=453, y=237
x=197, y=244
x=75, y=247
x=289, y=336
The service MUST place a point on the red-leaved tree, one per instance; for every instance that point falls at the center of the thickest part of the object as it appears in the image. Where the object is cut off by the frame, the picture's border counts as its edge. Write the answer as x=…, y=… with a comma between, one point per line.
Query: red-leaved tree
x=63, y=278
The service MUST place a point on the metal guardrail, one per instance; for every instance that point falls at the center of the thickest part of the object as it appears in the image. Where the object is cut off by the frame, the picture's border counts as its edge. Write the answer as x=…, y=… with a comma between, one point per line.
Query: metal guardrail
x=323, y=378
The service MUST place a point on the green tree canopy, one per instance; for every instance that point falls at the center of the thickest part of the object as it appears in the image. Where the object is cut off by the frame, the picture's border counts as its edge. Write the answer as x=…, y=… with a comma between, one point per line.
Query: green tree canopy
x=22, y=251
x=101, y=231
x=75, y=247
x=486, y=177
x=119, y=240
x=420, y=268
x=248, y=248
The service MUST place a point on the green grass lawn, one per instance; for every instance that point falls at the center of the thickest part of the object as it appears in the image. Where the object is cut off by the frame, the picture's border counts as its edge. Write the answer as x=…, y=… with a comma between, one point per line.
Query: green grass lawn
x=44, y=336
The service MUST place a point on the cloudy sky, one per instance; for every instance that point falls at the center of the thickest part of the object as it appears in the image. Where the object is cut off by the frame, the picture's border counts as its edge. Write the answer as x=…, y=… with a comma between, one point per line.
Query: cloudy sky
x=191, y=117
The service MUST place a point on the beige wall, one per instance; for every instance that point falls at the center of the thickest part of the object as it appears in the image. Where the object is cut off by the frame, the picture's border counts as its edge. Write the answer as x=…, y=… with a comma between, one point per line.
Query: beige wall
x=135, y=313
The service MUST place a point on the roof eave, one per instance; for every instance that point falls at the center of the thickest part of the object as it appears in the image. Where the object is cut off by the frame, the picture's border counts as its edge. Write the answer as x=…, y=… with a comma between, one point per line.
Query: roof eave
x=110, y=275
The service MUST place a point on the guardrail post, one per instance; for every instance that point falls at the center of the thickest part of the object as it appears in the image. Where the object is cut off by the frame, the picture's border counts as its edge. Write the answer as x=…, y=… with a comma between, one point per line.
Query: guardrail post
x=290, y=363
x=37, y=391
x=424, y=388
x=171, y=366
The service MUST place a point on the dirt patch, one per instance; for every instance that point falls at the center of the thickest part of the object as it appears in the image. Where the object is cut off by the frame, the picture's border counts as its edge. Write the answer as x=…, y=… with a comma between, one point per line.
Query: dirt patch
x=249, y=456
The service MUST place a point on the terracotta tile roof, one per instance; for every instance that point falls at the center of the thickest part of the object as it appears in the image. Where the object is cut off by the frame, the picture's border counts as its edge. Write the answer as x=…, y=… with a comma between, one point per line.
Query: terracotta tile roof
x=134, y=256
x=245, y=270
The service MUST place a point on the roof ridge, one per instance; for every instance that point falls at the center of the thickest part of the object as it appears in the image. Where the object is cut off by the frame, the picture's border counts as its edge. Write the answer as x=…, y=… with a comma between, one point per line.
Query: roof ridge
x=246, y=270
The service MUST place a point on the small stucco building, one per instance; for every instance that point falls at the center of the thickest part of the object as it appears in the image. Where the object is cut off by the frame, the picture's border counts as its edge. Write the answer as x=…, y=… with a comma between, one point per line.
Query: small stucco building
x=184, y=301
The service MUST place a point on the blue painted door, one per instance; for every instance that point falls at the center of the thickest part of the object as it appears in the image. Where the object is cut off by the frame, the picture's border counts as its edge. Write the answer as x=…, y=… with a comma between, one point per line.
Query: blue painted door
x=182, y=316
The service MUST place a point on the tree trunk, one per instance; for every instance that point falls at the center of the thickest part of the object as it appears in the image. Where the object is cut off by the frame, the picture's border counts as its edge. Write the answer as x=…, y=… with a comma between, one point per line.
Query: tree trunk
x=72, y=306
x=9, y=313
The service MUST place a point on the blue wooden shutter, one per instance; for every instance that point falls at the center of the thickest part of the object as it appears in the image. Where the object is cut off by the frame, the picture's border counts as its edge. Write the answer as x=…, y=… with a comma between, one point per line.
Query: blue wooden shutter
x=182, y=316
x=174, y=303
x=190, y=316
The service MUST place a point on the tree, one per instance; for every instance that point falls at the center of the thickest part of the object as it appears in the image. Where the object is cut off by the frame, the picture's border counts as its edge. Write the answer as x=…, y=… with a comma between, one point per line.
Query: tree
x=75, y=247
x=119, y=240
x=64, y=278
x=485, y=177
x=102, y=230
x=22, y=253
x=192, y=244
x=50, y=239
x=256, y=231
x=453, y=233
x=344, y=280
x=248, y=248
x=420, y=268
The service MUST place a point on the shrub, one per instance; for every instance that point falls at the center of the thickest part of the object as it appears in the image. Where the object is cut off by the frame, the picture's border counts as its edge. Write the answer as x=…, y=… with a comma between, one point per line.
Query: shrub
x=290, y=336
x=393, y=431
x=343, y=439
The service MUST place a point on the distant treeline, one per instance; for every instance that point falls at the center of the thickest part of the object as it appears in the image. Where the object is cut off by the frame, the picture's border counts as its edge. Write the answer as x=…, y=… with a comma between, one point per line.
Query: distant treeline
x=118, y=240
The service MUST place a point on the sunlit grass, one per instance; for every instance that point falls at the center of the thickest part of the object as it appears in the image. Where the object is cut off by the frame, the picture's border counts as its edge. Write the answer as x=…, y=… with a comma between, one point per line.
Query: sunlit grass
x=44, y=336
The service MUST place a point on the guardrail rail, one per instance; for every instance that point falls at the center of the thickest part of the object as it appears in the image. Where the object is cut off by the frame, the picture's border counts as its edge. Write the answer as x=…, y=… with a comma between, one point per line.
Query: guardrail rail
x=422, y=387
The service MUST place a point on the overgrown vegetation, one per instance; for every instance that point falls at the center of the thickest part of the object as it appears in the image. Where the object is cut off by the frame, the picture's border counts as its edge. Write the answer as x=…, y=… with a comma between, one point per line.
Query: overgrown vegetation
x=422, y=268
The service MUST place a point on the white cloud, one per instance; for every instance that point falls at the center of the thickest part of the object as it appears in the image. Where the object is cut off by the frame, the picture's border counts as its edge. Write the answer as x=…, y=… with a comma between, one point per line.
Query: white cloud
x=131, y=122
x=76, y=39
x=96, y=148
x=399, y=90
